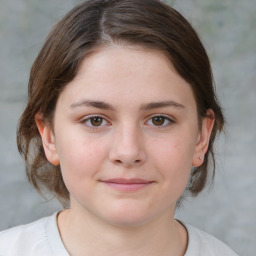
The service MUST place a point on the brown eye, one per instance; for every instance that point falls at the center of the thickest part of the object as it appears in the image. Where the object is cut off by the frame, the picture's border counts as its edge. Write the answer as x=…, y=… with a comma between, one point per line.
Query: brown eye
x=96, y=121
x=158, y=120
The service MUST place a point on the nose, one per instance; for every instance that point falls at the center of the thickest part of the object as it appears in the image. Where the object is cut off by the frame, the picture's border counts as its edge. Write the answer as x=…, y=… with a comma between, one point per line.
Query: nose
x=127, y=147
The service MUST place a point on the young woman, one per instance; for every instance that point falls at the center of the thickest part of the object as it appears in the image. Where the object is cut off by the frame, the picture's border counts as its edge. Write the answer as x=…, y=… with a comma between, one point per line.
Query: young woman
x=120, y=121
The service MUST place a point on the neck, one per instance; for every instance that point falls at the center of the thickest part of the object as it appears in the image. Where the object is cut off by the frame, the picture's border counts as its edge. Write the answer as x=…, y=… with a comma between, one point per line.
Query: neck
x=85, y=235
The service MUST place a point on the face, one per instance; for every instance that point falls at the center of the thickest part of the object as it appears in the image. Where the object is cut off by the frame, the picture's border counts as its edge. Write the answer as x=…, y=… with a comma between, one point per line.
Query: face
x=126, y=136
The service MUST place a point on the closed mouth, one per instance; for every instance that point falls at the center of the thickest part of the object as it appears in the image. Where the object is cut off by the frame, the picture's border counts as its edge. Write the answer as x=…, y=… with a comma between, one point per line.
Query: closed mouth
x=127, y=181
x=127, y=184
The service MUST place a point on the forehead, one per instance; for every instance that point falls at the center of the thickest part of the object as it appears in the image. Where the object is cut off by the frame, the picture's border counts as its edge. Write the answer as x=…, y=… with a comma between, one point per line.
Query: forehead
x=124, y=56
x=132, y=73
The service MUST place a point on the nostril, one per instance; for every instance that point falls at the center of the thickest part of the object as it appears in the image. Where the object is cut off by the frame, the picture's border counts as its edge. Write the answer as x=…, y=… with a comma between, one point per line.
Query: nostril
x=121, y=162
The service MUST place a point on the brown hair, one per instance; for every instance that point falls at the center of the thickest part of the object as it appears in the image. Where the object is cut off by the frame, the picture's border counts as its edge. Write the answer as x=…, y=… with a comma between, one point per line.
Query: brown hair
x=94, y=23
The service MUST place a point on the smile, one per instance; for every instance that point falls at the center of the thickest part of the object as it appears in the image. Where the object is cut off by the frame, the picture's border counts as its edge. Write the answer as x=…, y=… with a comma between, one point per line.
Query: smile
x=128, y=185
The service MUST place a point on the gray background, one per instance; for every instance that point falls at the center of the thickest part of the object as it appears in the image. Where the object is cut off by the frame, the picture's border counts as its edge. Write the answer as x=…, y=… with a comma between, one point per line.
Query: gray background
x=228, y=30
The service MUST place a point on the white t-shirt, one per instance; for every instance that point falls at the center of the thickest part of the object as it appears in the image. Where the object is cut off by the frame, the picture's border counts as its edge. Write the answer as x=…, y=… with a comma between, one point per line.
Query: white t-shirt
x=42, y=238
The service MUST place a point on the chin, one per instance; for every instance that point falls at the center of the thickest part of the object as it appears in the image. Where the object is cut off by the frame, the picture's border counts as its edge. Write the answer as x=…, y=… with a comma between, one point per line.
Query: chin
x=128, y=217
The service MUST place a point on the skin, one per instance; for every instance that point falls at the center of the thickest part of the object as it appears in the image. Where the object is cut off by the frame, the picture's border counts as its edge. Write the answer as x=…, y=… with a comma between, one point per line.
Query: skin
x=131, y=137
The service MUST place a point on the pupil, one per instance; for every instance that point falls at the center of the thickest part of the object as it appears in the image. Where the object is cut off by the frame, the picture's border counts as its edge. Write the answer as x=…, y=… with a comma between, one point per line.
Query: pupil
x=96, y=121
x=158, y=120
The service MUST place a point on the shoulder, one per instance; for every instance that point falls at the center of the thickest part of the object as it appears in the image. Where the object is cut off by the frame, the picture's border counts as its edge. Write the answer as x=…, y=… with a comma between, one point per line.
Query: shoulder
x=202, y=243
x=30, y=239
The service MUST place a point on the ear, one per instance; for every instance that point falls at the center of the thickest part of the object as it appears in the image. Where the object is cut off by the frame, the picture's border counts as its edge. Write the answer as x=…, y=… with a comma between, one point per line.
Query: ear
x=203, y=138
x=48, y=139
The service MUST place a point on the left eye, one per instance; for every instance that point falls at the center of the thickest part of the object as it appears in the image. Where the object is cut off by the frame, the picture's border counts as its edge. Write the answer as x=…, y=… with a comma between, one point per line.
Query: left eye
x=159, y=121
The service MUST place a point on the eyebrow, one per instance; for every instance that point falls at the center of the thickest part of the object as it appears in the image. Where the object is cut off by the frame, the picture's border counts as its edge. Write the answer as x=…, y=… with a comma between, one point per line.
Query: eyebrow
x=162, y=104
x=92, y=103
x=106, y=106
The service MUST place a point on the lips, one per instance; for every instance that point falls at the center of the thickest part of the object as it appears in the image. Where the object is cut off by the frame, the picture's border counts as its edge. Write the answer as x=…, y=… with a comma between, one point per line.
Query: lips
x=127, y=184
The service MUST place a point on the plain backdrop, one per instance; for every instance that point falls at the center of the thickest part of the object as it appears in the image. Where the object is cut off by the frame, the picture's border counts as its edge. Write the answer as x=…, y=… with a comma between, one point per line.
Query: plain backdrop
x=228, y=31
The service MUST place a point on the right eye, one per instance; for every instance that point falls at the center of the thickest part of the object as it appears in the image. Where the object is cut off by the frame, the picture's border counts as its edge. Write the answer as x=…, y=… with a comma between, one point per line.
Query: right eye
x=94, y=122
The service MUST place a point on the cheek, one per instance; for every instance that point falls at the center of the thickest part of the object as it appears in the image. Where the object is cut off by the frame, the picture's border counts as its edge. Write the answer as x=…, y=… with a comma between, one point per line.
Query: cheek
x=173, y=159
x=80, y=159
x=177, y=153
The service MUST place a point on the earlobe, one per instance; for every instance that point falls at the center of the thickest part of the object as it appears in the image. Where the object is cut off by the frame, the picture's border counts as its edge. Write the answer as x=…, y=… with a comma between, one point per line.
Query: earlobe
x=48, y=139
x=203, y=138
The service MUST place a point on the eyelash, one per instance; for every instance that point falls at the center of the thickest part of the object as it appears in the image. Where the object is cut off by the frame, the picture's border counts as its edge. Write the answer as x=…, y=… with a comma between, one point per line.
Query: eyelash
x=167, y=121
x=91, y=126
